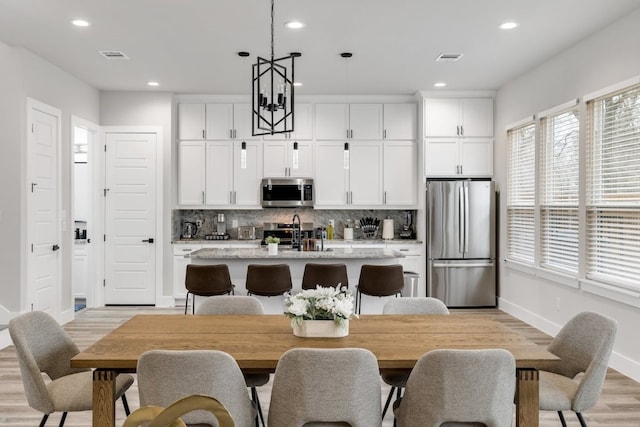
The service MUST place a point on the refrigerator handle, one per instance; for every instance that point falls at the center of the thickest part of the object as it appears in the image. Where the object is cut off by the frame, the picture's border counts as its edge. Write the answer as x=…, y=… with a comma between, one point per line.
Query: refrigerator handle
x=461, y=220
x=466, y=218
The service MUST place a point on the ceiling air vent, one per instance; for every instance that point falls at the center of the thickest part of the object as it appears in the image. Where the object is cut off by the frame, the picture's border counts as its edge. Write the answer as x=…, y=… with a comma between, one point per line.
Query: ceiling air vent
x=113, y=54
x=449, y=57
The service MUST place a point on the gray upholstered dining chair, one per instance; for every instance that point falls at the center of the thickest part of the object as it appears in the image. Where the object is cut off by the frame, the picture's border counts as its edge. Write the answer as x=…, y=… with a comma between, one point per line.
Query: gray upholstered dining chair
x=460, y=388
x=239, y=305
x=584, y=345
x=42, y=346
x=326, y=387
x=165, y=376
x=415, y=305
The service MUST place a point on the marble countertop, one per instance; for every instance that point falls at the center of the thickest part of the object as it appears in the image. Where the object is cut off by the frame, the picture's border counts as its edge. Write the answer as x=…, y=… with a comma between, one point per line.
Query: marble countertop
x=328, y=242
x=261, y=253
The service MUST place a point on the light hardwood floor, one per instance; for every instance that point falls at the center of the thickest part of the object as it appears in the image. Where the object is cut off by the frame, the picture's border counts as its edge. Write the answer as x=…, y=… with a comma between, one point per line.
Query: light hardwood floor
x=619, y=404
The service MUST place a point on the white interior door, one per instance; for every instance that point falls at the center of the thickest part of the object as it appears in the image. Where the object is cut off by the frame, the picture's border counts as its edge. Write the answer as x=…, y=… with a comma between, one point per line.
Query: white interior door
x=130, y=218
x=43, y=209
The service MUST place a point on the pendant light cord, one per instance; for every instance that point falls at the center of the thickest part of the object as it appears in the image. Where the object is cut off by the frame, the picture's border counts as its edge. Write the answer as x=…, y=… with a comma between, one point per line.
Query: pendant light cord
x=272, y=14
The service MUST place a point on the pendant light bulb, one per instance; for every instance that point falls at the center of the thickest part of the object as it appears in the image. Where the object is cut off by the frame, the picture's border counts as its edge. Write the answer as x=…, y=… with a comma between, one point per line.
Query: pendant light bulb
x=243, y=156
x=295, y=162
x=346, y=155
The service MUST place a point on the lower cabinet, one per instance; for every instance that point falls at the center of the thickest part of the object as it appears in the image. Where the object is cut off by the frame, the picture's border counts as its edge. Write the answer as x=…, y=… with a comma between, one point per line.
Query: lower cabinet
x=80, y=278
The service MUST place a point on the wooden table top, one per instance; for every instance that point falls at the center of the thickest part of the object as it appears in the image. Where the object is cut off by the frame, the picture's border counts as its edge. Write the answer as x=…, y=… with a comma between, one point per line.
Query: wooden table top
x=257, y=342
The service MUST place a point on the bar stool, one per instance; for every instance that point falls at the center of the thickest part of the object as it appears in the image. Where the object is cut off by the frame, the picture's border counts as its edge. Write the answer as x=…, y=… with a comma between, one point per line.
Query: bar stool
x=268, y=280
x=324, y=275
x=379, y=281
x=206, y=281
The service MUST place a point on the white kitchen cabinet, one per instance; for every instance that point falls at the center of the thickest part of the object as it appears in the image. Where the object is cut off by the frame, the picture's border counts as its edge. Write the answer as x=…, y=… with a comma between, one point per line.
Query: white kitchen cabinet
x=279, y=159
x=349, y=121
x=379, y=174
x=399, y=173
x=80, y=269
x=180, y=267
x=458, y=157
x=191, y=172
x=400, y=122
x=458, y=117
x=302, y=126
x=228, y=183
x=214, y=121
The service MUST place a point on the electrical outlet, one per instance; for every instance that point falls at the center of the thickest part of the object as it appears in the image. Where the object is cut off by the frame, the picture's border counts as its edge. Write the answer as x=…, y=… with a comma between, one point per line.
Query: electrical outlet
x=199, y=222
x=234, y=223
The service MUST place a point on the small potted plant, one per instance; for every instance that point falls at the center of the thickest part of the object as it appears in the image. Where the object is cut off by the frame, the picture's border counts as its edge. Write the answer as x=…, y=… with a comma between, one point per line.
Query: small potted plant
x=272, y=244
x=320, y=312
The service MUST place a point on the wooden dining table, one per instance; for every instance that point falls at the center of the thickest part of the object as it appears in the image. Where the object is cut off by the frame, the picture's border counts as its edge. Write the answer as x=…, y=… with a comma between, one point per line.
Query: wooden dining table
x=257, y=342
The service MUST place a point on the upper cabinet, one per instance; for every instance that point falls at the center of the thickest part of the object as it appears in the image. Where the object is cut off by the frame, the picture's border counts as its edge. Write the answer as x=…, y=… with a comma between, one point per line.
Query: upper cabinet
x=214, y=121
x=288, y=158
x=302, y=124
x=465, y=117
x=458, y=137
x=348, y=121
x=400, y=122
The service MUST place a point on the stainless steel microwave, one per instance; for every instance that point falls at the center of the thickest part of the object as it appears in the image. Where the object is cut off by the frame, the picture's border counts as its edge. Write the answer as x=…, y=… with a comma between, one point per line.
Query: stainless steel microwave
x=286, y=192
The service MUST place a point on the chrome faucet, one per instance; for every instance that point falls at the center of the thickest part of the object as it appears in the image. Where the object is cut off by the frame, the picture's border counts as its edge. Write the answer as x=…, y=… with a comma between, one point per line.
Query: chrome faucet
x=293, y=224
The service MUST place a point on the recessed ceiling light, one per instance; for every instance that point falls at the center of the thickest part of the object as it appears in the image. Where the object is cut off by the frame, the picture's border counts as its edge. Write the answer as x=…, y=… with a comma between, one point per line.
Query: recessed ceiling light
x=439, y=84
x=508, y=25
x=294, y=25
x=153, y=83
x=297, y=84
x=80, y=23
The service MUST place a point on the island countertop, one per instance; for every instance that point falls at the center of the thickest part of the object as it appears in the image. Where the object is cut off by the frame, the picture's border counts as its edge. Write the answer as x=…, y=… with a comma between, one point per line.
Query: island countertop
x=262, y=253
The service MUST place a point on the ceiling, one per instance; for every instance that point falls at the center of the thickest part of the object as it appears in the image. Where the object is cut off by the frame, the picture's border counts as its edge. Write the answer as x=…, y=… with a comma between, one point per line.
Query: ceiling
x=190, y=46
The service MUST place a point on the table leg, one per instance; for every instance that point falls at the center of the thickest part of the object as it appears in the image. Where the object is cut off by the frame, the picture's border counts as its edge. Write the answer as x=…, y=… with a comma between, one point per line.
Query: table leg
x=104, y=394
x=527, y=397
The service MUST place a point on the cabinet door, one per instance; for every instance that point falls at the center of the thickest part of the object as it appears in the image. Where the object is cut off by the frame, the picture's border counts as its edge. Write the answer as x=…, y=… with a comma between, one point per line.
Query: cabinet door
x=365, y=121
x=275, y=159
x=400, y=121
x=476, y=117
x=331, y=178
x=441, y=157
x=476, y=157
x=242, y=122
x=191, y=172
x=441, y=117
x=332, y=121
x=400, y=177
x=191, y=119
x=219, y=121
x=302, y=127
x=219, y=176
x=246, y=180
x=304, y=166
x=365, y=173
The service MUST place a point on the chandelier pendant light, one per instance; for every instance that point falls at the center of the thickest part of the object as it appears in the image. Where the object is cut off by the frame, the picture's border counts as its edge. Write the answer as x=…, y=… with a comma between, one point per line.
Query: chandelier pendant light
x=272, y=92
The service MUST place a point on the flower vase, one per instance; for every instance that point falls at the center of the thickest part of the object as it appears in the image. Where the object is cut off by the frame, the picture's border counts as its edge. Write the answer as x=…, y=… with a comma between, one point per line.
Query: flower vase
x=272, y=248
x=321, y=329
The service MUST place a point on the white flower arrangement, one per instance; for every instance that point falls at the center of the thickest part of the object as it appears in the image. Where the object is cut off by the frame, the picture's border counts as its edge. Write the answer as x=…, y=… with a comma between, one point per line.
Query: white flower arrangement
x=321, y=303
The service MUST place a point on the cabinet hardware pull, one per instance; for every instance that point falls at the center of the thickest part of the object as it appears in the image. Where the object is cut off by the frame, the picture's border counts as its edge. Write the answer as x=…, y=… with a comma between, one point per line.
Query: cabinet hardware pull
x=204, y=135
x=461, y=130
x=203, y=201
x=347, y=133
x=385, y=198
x=385, y=134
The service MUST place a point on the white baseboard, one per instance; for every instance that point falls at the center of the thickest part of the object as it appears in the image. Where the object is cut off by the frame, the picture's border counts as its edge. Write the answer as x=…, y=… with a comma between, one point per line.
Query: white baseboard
x=165, y=302
x=67, y=316
x=620, y=363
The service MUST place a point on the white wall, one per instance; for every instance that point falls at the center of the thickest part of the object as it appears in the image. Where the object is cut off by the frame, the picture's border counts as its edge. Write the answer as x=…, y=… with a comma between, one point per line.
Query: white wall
x=27, y=75
x=149, y=109
x=605, y=58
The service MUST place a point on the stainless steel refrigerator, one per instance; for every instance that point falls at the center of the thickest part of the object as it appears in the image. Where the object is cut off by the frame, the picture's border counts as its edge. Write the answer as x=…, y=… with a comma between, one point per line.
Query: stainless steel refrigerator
x=461, y=246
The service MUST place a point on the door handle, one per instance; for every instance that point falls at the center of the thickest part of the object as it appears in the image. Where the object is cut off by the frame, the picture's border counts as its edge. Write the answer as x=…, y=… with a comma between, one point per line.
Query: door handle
x=149, y=240
x=55, y=248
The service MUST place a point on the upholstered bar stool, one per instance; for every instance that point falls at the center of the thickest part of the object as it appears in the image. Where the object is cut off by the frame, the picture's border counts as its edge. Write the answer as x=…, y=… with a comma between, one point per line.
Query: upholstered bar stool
x=206, y=281
x=268, y=280
x=379, y=281
x=324, y=275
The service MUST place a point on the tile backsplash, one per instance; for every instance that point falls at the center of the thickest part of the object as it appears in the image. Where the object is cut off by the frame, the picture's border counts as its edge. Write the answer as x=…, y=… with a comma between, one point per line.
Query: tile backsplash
x=259, y=216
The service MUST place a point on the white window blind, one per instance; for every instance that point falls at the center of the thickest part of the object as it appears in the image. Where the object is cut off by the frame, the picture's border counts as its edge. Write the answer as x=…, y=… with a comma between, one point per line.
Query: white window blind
x=613, y=189
x=521, y=194
x=559, y=182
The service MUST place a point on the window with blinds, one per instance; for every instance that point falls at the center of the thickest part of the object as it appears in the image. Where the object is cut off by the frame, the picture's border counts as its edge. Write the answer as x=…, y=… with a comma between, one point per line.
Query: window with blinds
x=559, y=180
x=613, y=189
x=521, y=189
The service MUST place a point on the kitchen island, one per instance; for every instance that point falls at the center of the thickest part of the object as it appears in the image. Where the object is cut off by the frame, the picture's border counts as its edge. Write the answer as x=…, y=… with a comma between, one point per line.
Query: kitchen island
x=238, y=258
